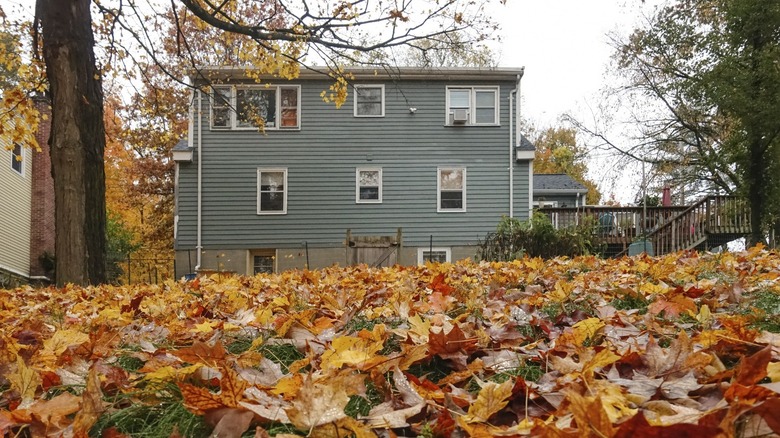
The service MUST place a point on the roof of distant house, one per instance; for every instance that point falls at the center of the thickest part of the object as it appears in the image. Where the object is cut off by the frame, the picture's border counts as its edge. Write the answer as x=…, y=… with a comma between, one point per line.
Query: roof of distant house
x=557, y=183
x=525, y=144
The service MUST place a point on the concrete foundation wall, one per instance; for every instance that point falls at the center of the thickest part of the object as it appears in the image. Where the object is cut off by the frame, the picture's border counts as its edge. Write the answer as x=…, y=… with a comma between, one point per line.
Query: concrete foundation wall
x=239, y=261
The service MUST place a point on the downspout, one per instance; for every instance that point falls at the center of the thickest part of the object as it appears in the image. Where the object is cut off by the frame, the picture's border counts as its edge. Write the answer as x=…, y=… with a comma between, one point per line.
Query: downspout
x=199, y=246
x=512, y=155
x=514, y=131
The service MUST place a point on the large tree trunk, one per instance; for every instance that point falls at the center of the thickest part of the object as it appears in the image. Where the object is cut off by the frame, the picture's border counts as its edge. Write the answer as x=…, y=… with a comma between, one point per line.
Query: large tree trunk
x=77, y=140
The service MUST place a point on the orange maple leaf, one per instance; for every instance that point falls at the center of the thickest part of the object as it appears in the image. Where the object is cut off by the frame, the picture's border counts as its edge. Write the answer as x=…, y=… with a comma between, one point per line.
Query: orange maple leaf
x=452, y=342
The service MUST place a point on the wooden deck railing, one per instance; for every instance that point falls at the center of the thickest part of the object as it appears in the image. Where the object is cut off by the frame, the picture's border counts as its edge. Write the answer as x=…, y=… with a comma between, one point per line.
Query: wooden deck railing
x=713, y=218
x=668, y=228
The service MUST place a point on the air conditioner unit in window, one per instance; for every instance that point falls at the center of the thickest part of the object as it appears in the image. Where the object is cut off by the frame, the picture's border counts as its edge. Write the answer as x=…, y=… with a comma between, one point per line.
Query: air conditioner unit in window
x=460, y=116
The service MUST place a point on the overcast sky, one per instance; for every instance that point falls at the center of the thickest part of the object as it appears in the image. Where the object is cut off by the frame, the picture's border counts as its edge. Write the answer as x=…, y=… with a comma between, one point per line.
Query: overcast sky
x=564, y=47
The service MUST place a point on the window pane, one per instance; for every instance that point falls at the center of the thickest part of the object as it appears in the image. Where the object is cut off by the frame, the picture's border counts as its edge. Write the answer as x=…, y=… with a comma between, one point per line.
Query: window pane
x=459, y=98
x=290, y=117
x=369, y=109
x=271, y=201
x=369, y=193
x=221, y=97
x=369, y=94
x=16, y=158
x=289, y=107
x=290, y=97
x=452, y=200
x=255, y=106
x=220, y=117
x=486, y=115
x=369, y=178
x=451, y=179
x=435, y=256
x=486, y=99
x=263, y=265
x=272, y=181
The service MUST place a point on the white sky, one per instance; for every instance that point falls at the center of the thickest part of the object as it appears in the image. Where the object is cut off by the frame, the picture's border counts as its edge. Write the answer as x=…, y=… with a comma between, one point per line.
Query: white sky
x=564, y=47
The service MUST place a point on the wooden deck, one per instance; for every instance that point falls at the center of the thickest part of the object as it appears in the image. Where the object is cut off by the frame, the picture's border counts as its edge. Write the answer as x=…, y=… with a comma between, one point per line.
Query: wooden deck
x=711, y=222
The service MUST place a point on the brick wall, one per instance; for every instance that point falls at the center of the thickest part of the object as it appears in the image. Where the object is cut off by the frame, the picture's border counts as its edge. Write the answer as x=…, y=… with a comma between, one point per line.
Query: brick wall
x=42, y=214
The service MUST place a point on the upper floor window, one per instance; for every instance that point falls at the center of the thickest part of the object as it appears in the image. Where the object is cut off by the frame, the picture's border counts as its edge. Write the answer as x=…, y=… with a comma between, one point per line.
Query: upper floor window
x=17, y=159
x=451, y=189
x=370, y=100
x=368, y=185
x=271, y=191
x=472, y=105
x=250, y=107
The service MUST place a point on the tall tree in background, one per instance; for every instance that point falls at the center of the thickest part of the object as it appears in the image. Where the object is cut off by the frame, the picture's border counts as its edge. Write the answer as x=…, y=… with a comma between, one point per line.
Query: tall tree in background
x=703, y=84
x=283, y=35
x=557, y=151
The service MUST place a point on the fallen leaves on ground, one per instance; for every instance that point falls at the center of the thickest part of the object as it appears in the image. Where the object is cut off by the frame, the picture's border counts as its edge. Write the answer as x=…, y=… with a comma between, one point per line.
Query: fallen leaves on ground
x=681, y=345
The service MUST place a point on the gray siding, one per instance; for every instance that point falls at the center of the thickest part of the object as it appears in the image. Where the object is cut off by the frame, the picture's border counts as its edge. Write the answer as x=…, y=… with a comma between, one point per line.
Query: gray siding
x=321, y=159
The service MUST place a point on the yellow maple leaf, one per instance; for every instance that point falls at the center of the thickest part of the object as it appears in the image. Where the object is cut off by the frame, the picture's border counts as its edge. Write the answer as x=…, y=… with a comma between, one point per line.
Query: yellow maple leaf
x=773, y=371
x=586, y=329
x=205, y=327
x=26, y=381
x=491, y=399
x=62, y=340
x=419, y=329
x=348, y=350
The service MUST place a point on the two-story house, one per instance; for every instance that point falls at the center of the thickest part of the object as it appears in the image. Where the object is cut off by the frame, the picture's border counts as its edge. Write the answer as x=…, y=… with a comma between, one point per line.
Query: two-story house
x=431, y=158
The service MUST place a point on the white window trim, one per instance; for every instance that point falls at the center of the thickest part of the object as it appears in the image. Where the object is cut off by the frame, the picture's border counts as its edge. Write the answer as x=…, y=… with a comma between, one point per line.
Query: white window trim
x=260, y=170
x=438, y=191
x=473, y=104
x=421, y=252
x=358, y=86
x=23, y=153
x=357, y=185
x=233, y=125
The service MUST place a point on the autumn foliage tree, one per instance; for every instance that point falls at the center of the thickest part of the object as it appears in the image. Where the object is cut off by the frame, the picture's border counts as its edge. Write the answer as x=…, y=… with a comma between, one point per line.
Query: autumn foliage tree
x=700, y=83
x=282, y=34
x=557, y=151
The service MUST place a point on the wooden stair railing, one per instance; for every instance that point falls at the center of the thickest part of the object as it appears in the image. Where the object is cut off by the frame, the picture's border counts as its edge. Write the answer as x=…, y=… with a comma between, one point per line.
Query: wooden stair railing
x=725, y=216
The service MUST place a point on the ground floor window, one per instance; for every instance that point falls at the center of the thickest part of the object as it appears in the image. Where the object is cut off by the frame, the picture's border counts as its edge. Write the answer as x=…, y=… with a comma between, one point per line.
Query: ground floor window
x=263, y=263
x=434, y=255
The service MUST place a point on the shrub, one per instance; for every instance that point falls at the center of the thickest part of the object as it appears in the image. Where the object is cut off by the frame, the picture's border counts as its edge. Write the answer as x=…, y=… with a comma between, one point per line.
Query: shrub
x=536, y=238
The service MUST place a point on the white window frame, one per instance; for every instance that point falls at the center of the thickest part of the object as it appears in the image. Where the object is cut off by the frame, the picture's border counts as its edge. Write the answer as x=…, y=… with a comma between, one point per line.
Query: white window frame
x=232, y=107
x=260, y=171
x=421, y=253
x=22, y=162
x=357, y=185
x=359, y=86
x=472, y=110
x=439, y=209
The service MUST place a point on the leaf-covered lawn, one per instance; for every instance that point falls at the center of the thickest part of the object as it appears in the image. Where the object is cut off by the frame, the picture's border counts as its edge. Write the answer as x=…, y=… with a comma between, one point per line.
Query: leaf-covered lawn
x=682, y=345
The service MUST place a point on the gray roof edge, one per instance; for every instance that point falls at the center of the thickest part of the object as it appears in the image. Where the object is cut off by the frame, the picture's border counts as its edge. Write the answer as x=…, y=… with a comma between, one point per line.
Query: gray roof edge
x=376, y=73
x=552, y=191
x=182, y=145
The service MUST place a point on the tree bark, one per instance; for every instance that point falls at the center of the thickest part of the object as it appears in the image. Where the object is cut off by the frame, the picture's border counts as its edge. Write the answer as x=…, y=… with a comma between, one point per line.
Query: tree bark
x=77, y=140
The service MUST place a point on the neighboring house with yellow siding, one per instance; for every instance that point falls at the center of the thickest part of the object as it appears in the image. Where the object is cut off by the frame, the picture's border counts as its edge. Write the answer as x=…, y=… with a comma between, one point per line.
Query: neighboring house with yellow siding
x=26, y=210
